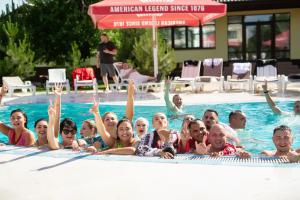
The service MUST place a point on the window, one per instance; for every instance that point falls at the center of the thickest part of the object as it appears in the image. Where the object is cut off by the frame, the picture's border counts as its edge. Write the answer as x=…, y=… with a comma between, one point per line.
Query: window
x=259, y=36
x=190, y=37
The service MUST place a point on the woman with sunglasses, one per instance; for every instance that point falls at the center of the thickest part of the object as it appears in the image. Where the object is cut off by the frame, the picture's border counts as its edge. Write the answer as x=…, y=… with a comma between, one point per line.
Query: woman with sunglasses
x=18, y=134
x=124, y=143
x=68, y=130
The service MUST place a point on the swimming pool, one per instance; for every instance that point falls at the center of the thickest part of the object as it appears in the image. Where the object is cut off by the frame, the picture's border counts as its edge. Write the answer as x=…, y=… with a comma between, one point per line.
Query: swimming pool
x=256, y=137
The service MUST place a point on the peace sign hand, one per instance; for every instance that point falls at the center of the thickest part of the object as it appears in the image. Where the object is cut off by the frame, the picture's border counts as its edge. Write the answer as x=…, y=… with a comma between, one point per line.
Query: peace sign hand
x=201, y=147
x=95, y=108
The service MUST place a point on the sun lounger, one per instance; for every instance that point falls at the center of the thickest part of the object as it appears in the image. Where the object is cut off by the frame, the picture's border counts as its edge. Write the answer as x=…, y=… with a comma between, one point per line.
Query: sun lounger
x=15, y=82
x=84, y=77
x=57, y=76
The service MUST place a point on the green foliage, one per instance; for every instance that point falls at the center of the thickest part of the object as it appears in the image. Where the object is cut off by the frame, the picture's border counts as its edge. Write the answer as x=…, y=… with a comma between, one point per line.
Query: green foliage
x=75, y=55
x=143, y=55
x=19, y=57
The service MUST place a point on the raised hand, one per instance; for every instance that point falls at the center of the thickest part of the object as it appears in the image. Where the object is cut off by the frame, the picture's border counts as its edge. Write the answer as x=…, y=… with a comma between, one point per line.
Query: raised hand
x=131, y=87
x=168, y=80
x=265, y=86
x=51, y=109
x=95, y=108
x=201, y=147
x=164, y=135
x=4, y=90
x=58, y=87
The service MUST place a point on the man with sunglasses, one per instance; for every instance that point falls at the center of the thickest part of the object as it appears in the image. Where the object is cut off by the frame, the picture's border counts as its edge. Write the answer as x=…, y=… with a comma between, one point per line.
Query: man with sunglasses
x=274, y=107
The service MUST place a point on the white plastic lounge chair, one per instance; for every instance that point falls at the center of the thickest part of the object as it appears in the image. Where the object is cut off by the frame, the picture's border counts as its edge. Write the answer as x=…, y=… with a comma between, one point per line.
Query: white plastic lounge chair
x=241, y=77
x=15, y=82
x=122, y=82
x=212, y=74
x=266, y=70
x=292, y=79
x=84, y=77
x=190, y=71
x=57, y=76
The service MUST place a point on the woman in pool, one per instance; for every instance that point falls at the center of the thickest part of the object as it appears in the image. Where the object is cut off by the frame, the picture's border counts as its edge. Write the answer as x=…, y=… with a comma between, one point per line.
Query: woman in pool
x=162, y=142
x=110, y=119
x=89, y=134
x=18, y=134
x=141, y=126
x=124, y=144
x=184, y=134
x=41, y=125
x=68, y=131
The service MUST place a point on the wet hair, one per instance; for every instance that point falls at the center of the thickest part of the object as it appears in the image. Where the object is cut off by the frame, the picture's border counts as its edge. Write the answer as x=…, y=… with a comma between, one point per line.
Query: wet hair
x=142, y=118
x=103, y=117
x=23, y=113
x=282, y=128
x=211, y=110
x=124, y=119
x=67, y=122
x=91, y=124
x=39, y=120
x=175, y=95
x=195, y=121
x=233, y=114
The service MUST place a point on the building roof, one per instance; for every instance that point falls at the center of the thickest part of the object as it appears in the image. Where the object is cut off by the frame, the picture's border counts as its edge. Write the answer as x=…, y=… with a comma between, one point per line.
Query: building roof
x=242, y=5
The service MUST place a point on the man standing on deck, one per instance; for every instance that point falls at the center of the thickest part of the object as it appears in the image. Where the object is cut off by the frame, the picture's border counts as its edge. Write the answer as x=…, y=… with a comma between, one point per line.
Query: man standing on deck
x=105, y=52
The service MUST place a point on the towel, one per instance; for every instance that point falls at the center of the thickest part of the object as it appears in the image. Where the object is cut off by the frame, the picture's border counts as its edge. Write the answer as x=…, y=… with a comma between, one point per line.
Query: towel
x=208, y=62
x=217, y=61
x=241, y=68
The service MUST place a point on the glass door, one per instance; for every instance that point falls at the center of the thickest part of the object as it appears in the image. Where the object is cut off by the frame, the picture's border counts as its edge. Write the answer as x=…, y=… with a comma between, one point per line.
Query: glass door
x=258, y=41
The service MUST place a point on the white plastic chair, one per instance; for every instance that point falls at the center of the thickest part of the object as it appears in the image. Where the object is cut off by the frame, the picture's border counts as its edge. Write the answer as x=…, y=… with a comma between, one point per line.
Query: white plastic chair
x=189, y=73
x=15, y=82
x=212, y=74
x=57, y=76
x=241, y=76
x=266, y=70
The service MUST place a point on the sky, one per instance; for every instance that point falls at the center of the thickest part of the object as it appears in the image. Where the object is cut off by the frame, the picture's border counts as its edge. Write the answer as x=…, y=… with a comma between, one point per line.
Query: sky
x=4, y=2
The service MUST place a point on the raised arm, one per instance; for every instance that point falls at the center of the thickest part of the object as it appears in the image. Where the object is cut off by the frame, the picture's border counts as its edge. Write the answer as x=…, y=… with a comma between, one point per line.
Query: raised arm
x=57, y=106
x=270, y=101
x=52, y=139
x=170, y=105
x=2, y=92
x=108, y=139
x=130, y=101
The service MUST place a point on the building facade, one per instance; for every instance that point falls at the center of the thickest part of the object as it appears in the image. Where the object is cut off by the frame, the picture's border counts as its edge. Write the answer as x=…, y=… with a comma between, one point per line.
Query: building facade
x=251, y=30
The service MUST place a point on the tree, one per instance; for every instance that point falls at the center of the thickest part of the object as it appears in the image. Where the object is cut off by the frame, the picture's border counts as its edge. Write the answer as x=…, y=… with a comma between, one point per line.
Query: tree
x=19, y=57
x=143, y=55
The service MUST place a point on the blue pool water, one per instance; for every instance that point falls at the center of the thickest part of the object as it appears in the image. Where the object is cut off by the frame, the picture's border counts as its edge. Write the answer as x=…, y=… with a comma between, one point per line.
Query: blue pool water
x=256, y=137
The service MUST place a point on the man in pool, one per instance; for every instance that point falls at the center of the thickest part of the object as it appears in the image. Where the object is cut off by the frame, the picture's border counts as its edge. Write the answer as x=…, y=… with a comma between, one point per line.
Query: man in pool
x=275, y=108
x=211, y=118
x=218, y=145
x=283, y=140
x=175, y=106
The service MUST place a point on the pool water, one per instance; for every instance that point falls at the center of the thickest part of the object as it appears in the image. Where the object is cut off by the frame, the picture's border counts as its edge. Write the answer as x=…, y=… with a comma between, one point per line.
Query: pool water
x=257, y=135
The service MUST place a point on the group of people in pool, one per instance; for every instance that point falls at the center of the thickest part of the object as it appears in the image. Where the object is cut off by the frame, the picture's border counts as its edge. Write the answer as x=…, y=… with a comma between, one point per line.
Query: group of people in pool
x=107, y=135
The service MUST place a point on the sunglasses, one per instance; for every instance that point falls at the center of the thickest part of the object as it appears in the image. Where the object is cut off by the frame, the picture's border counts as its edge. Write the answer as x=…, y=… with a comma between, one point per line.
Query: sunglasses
x=67, y=131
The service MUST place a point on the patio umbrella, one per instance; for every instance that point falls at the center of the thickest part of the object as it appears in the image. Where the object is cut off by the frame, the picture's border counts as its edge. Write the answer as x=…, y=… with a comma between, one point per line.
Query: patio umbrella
x=109, y=14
